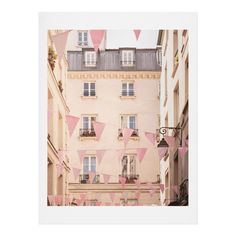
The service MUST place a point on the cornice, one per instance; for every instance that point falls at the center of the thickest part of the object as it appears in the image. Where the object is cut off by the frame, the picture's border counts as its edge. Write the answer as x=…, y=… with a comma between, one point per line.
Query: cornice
x=113, y=74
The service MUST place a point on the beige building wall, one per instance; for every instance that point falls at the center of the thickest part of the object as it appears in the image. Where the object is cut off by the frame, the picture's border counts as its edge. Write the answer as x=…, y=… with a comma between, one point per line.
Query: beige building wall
x=174, y=106
x=57, y=130
x=107, y=106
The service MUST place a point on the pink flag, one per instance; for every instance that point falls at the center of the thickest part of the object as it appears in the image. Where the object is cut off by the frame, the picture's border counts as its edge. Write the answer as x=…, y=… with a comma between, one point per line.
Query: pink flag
x=97, y=36
x=92, y=174
x=51, y=199
x=122, y=181
x=137, y=33
x=162, y=151
x=59, y=168
x=137, y=182
x=112, y=196
x=61, y=156
x=71, y=122
x=127, y=134
x=120, y=154
x=141, y=152
x=58, y=200
x=151, y=137
x=175, y=188
x=162, y=187
x=81, y=154
x=76, y=172
x=106, y=178
x=170, y=140
x=182, y=151
x=60, y=43
x=100, y=154
x=98, y=128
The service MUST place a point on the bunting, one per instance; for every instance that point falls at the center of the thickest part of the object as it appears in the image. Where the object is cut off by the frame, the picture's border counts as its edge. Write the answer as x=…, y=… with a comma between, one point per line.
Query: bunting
x=137, y=182
x=71, y=122
x=92, y=175
x=81, y=154
x=97, y=36
x=58, y=200
x=170, y=140
x=141, y=153
x=151, y=137
x=175, y=188
x=182, y=151
x=137, y=33
x=100, y=154
x=162, y=187
x=60, y=43
x=127, y=134
x=162, y=151
x=98, y=128
x=122, y=181
x=76, y=172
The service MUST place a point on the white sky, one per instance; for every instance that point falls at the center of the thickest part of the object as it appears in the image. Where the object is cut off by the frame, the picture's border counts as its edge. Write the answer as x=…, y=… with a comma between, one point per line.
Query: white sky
x=126, y=38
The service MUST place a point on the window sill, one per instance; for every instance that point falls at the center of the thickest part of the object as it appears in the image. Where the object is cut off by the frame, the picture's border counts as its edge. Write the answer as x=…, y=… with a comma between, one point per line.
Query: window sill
x=127, y=97
x=89, y=97
x=136, y=138
x=87, y=138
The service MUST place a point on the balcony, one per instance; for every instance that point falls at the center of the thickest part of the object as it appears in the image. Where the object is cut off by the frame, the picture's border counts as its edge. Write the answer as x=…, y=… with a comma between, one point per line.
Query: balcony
x=87, y=133
x=84, y=179
x=130, y=179
x=133, y=135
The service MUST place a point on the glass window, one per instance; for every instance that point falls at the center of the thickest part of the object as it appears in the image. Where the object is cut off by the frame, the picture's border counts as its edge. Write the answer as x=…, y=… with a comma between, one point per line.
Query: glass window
x=89, y=89
x=86, y=165
x=90, y=58
x=89, y=164
x=128, y=121
x=128, y=89
x=128, y=165
x=83, y=38
x=127, y=57
x=88, y=122
x=131, y=122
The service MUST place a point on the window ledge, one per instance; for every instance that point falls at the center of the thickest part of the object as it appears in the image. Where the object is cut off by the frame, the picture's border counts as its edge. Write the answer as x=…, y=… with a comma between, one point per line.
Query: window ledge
x=87, y=138
x=127, y=97
x=136, y=138
x=89, y=97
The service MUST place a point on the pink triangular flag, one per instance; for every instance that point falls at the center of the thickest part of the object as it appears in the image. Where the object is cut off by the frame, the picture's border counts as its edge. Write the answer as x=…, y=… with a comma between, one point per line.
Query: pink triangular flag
x=100, y=154
x=162, y=187
x=98, y=128
x=137, y=182
x=127, y=134
x=182, y=151
x=106, y=178
x=76, y=172
x=71, y=122
x=97, y=36
x=58, y=200
x=59, y=169
x=61, y=156
x=92, y=174
x=141, y=153
x=122, y=181
x=170, y=140
x=120, y=153
x=81, y=154
x=175, y=188
x=112, y=196
x=151, y=137
x=162, y=151
x=51, y=199
x=137, y=33
x=60, y=43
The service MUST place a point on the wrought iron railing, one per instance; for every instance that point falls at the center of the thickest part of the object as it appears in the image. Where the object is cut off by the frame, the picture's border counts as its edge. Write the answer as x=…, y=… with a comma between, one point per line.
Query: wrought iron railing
x=87, y=133
x=84, y=179
x=134, y=134
x=130, y=179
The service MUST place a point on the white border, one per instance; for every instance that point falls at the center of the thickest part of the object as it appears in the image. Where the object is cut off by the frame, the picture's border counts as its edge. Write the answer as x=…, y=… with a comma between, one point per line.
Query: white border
x=118, y=215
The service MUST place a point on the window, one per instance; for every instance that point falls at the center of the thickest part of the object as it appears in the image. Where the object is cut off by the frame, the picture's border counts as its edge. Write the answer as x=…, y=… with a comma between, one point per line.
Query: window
x=89, y=89
x=90, y=59
x=128, y=168
x=127, y=58
x=175, y=49
x=128, y=121
x=89, y=164
x=176, y=105
x=128, y=89
x=88, y=130
x=82, y=38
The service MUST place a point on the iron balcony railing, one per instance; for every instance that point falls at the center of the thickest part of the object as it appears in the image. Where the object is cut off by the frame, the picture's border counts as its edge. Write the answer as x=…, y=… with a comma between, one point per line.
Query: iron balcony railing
x=134, y=134
x=84, y=179
x=130, y=179
x=87, y=133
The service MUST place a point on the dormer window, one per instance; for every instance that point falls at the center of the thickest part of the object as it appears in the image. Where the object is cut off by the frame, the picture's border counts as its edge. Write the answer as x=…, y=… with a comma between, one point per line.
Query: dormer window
x=83, y=38
x=127, y=57
x=90, y=59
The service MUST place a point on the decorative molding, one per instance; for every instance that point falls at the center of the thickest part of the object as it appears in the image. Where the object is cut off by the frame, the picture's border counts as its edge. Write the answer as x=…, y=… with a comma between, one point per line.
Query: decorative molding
x=113, y=74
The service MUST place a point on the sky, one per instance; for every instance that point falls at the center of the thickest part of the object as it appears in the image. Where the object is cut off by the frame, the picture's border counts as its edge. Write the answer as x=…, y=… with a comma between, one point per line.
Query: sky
x=126, y=38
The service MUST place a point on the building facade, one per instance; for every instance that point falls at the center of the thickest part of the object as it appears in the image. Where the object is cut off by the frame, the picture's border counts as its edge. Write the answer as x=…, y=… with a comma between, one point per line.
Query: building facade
x=118, y=87
x=174, y=113
x=57, y=131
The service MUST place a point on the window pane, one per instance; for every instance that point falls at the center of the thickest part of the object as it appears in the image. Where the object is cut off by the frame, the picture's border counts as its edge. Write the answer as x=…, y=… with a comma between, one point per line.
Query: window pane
x=85, y=165
x=132, y=122
x=92, y=85
x=93, y=164
x=124, y=165
x=132, y=165
x=131, y=89
x=85, y=36
x=86, y=85
x=85, y=122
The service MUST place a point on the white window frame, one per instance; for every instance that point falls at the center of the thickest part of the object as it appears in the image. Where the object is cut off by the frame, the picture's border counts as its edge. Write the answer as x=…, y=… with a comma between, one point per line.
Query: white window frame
x=83, y=42
x=127, y=57
x=128, y=169
x=127, y=122
x=90, y=58
x=89, y=121
x=89, y=89
x=127, y=90
x=89, y=163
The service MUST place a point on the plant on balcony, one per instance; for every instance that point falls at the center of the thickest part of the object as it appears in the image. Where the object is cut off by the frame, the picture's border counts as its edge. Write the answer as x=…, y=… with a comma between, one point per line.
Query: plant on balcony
x=60, y=86
x=52, y=56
